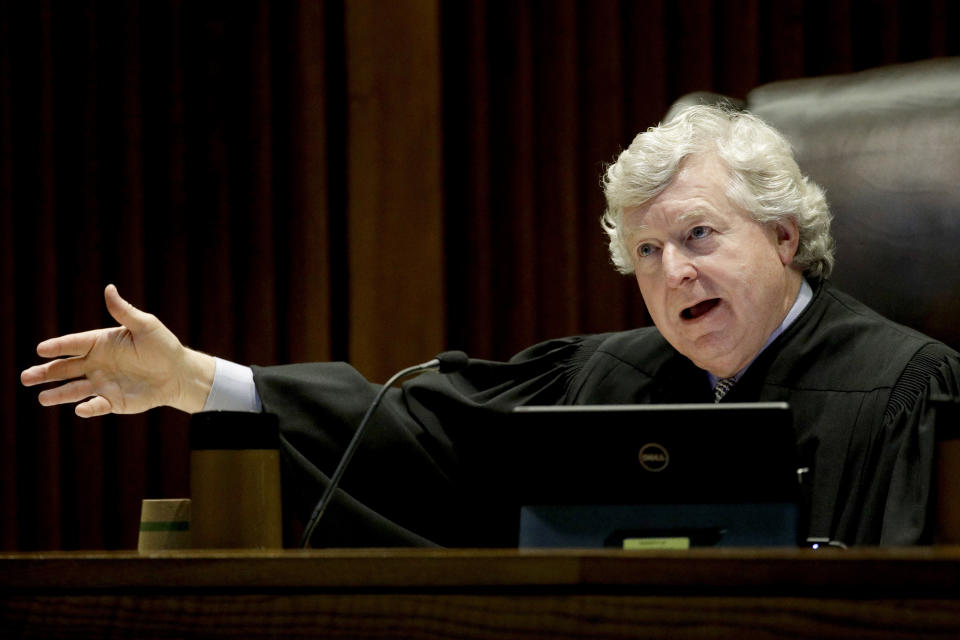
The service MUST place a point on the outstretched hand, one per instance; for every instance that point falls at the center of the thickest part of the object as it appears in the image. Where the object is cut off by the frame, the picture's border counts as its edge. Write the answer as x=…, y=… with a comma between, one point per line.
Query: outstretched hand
x=127, y=369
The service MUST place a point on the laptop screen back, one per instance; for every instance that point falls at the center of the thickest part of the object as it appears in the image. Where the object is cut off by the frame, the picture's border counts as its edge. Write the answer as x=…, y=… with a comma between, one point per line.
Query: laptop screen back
x=644, y=476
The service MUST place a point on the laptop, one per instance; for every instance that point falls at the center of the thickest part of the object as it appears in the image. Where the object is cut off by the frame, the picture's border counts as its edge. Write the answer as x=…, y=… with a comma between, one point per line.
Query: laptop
x=654, y=476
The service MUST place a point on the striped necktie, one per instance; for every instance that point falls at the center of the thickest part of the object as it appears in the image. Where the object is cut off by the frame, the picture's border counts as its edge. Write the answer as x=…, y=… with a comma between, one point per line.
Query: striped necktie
x=723, y=386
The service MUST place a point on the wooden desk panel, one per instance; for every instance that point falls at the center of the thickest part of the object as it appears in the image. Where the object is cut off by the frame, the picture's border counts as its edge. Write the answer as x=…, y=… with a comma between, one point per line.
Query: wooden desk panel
x=483, y=594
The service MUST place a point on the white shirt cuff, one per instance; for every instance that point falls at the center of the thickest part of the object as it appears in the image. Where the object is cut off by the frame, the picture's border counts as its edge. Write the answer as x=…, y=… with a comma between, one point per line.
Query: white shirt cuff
x=233, y=389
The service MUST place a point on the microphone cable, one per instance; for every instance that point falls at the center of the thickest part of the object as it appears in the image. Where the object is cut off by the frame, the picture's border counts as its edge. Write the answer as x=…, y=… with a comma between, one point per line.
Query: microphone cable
x=446, y=362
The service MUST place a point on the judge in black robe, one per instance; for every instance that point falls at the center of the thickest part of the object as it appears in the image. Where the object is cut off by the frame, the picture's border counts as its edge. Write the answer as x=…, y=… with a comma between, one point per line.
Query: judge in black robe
x=712, y=215
x=858, y=384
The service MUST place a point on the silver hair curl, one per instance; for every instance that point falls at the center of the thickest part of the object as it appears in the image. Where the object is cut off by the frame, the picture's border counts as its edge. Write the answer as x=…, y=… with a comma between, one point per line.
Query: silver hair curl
x=764, y=178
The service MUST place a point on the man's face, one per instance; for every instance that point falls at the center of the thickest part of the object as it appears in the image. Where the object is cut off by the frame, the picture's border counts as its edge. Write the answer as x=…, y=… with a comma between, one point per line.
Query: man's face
x=716, y=282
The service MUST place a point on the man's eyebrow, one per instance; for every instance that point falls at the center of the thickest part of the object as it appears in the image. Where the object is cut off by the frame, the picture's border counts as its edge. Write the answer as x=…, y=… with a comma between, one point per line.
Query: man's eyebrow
x=683, y=218
x=692, y=214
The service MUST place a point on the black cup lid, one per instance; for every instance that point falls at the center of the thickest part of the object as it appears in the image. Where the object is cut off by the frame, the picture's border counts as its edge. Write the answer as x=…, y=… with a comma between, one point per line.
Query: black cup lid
x=233, y=430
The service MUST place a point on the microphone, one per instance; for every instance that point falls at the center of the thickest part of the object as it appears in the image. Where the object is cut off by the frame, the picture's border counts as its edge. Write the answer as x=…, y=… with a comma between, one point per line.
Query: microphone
x=446, y=362
x=449, y=361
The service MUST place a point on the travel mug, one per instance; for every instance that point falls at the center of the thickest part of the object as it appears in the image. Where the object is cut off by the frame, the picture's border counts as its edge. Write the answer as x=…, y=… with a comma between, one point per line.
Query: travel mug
x=235, y=481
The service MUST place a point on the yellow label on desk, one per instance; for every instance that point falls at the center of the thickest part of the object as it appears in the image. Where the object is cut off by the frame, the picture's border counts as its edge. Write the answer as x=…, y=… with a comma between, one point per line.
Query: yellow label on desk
x=644, y=544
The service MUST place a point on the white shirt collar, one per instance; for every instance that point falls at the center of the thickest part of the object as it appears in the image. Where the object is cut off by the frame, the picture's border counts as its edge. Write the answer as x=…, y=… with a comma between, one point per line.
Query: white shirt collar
x=803, y=299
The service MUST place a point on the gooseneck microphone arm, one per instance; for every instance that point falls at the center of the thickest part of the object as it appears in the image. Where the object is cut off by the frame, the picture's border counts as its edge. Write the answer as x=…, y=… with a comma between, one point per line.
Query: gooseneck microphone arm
x=446, y=362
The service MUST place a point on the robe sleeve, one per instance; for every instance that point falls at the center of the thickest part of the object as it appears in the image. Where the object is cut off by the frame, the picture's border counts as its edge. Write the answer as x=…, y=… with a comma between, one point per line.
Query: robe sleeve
x=900, y=491
x=417, y=477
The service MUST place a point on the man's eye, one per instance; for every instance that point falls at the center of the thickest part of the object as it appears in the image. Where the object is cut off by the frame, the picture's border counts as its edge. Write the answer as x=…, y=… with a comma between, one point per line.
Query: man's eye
x=645, y=250
x=698, y=233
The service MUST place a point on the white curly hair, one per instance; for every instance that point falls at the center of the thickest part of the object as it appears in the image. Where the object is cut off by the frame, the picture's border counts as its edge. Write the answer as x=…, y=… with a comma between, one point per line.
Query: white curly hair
x=764, y=178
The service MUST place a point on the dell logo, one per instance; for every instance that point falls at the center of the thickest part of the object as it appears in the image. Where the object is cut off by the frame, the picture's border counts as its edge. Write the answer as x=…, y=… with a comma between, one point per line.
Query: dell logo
x=654, y=457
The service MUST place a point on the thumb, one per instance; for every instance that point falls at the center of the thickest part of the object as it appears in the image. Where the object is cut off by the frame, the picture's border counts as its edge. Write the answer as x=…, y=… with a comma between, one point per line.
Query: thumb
x=122, y=311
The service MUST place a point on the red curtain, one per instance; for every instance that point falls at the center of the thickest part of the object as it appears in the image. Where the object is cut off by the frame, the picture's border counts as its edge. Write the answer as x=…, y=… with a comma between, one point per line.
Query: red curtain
x=362, y=180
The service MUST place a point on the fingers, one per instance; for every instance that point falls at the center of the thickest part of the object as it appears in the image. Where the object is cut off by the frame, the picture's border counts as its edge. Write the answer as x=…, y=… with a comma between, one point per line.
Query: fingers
x=54, y=371
x=96, y=406
x=51, y=372
x=71, y=392
x=75, y=392
x=78, y=344
x=33, y=375
x=124, y=312
x=74, y=344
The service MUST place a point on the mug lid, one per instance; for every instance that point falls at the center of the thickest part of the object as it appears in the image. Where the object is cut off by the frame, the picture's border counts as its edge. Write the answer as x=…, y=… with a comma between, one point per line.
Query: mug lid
x=234, y=430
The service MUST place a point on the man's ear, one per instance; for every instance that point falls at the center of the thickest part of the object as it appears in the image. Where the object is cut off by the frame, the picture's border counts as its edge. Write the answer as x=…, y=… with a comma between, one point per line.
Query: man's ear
x=788, y=239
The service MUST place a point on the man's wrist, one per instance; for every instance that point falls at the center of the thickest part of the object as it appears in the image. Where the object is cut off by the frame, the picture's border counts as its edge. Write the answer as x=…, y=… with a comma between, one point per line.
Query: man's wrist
x=199, y=369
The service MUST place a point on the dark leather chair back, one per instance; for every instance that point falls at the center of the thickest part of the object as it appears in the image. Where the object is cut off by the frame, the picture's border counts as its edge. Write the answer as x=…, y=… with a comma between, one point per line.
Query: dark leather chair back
x=885, y=145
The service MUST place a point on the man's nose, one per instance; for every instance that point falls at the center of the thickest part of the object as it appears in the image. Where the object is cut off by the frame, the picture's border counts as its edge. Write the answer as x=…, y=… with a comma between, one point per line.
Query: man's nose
x=677, y=266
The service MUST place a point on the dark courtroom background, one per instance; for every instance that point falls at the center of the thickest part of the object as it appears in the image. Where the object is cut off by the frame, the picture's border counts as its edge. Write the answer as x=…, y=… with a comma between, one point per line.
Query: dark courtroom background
x=365, y=180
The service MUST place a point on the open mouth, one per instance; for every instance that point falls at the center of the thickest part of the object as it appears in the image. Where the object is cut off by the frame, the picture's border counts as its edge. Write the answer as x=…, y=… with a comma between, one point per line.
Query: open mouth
x=699, y=309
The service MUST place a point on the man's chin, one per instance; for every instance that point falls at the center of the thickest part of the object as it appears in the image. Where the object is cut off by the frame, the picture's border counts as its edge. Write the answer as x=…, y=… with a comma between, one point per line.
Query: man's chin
x=720, y=360
x=719, y=370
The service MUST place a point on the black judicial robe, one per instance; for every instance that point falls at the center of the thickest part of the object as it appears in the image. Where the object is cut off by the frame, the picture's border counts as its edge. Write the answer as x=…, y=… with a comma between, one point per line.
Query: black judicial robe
x=426, y=472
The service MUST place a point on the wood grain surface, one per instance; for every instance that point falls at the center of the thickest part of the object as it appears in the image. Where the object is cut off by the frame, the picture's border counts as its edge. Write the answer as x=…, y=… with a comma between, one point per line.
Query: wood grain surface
x=873, y=593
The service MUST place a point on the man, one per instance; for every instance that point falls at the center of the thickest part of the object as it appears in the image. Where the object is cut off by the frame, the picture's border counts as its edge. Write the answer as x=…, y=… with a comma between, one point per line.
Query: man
x=731, y=249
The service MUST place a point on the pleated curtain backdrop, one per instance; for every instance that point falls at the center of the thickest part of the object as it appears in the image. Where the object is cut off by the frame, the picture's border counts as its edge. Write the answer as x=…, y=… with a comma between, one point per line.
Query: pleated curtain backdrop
x=364, y=180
